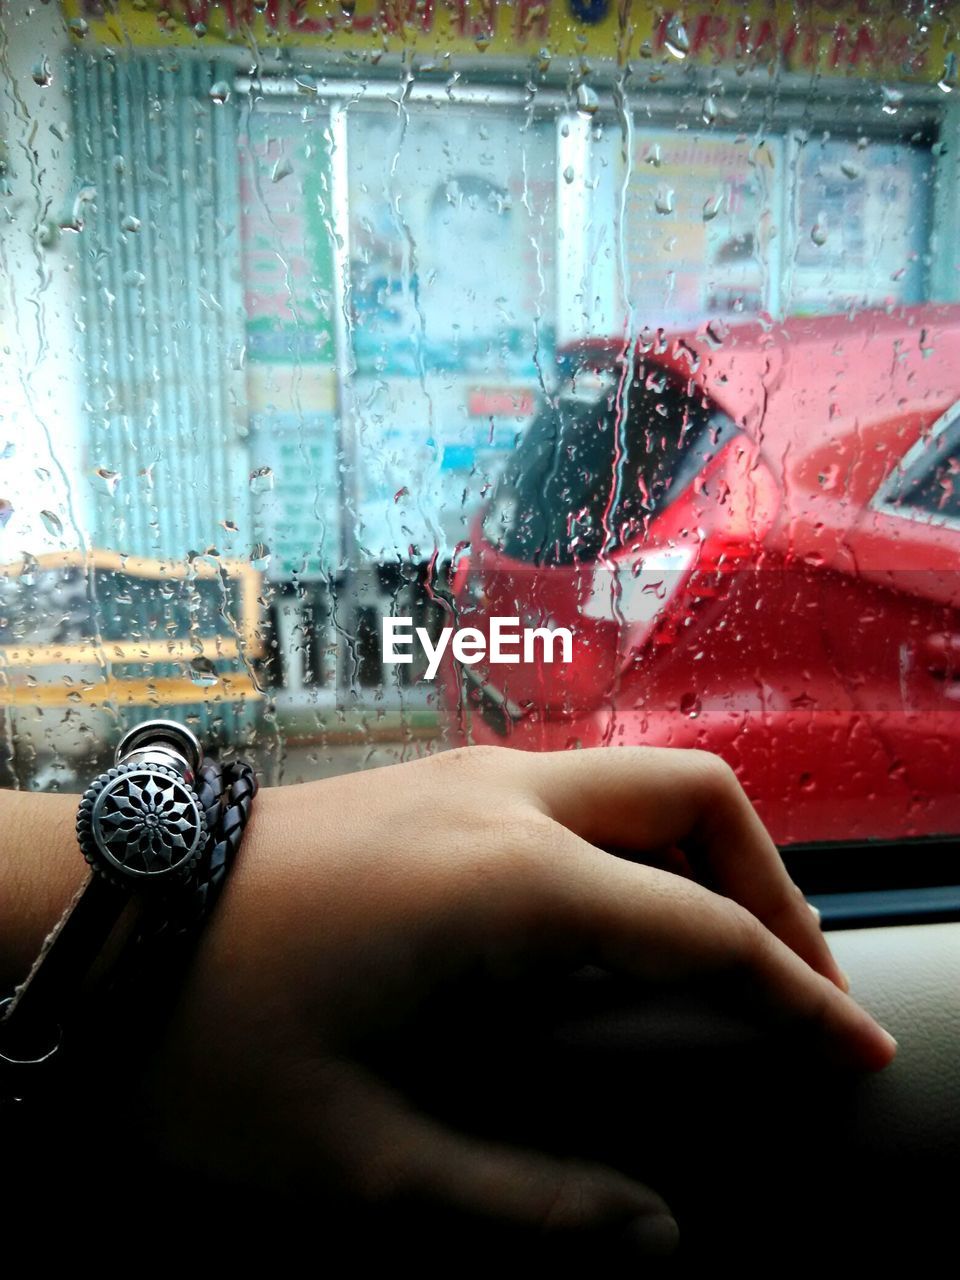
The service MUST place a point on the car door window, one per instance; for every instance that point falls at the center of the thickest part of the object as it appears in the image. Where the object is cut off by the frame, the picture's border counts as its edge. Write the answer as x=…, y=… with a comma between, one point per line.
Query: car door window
x=926, y=484
x=601, y=317
x=587, y=473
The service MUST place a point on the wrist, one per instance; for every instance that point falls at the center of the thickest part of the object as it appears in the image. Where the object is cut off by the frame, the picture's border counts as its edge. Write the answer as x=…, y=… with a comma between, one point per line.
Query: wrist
x=41, y=869
x=160, y=829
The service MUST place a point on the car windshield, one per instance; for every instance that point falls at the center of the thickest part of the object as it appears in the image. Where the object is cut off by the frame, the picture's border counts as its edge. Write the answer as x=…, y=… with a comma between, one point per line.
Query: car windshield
x=635, y=324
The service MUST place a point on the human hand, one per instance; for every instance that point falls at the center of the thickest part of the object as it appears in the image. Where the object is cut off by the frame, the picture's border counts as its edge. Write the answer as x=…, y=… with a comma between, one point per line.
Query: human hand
x=355, y=900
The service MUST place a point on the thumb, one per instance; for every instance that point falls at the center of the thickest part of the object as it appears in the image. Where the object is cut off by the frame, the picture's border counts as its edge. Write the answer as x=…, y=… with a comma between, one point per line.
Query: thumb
x=557, y=1198
x=414, y=1160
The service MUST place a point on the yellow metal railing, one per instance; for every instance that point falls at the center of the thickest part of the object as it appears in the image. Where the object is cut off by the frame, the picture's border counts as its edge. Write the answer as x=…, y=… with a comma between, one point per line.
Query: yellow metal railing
x=242, y=647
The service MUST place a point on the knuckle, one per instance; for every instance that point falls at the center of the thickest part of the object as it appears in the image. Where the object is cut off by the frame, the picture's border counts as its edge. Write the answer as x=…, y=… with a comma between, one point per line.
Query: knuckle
x=786, y=908
x=473, y=758
x=790, y=902
x=536, y=829
x=532, y=894
x=529, y=840
x=510, y=850
x=565, y=1208
x=381, y=1179
x=585, y=1196
x=716, y=777
x=748, y=937
x=817, y=1014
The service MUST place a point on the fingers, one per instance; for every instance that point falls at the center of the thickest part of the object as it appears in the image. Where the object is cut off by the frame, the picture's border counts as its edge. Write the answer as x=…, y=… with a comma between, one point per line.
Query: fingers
x=643, y=797
x=656, y=926
x=401, y=1157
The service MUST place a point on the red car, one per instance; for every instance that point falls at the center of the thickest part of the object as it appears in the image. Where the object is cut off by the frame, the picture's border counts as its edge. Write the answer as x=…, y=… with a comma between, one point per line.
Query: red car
x=754, y=537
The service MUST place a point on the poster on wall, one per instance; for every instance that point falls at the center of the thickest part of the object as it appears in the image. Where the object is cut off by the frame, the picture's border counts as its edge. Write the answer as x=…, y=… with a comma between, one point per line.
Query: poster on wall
x=453, y=303
x=452, y=236
x=288, y=261
x=862, y=221
x=698, y=225
x=288, y=270
x=426, y=465
x=296, y=498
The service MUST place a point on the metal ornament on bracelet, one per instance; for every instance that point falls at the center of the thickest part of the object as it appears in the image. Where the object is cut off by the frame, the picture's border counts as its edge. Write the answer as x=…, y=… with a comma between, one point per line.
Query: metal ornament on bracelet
x=141, y=824
x=141, y=821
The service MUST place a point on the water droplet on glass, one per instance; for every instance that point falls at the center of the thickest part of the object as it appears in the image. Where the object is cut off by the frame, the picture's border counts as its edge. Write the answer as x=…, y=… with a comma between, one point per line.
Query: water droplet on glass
x=947, y=82
x=709, y=110
x=690, y=705
x=761, y=156
x=109, y=478
x=676, y=40
x=818, y=233
x=260, y=556
x=200, y=29
x=230, y=526
x=41, y=73
x=52, y=524
x=203, y=672
x=131, y=223
x=684, y=351
x=716, y=332
x=891, y=99
x=664, y=200
x=849, y=169
x=543, y=61
x=568, y=174
x=711, y=207
x=6, y=511
x=78, y=27
x=220, y=92
x=74, y=220
x=261, y=480
x=8, y=450
x=587, y=100
x=134, y=278
x=654, y=156
x=282, y=169
x=401, y=493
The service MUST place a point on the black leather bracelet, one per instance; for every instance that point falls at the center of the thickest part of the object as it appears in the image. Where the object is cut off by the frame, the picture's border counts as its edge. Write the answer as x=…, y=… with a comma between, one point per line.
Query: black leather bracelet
x=160, y=830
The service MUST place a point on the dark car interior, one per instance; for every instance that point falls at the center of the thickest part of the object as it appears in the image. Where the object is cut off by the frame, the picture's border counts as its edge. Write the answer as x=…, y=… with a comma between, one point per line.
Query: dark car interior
x=770, y=1160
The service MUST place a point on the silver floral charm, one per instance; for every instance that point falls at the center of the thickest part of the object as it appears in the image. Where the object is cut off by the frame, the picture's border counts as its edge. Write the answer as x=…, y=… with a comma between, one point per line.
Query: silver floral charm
x=140, y=821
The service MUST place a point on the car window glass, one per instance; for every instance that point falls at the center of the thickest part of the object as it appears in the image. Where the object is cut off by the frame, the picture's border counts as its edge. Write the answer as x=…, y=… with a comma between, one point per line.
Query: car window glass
x=616, y=319
x=589, y=474
x=927, y=484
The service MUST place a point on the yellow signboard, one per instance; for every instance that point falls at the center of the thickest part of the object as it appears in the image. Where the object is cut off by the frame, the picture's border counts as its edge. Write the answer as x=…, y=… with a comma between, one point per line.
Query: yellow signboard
x=889, y=39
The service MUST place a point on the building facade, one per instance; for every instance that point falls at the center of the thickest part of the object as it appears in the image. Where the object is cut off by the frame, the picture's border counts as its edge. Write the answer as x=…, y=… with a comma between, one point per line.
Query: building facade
x=331, y=252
